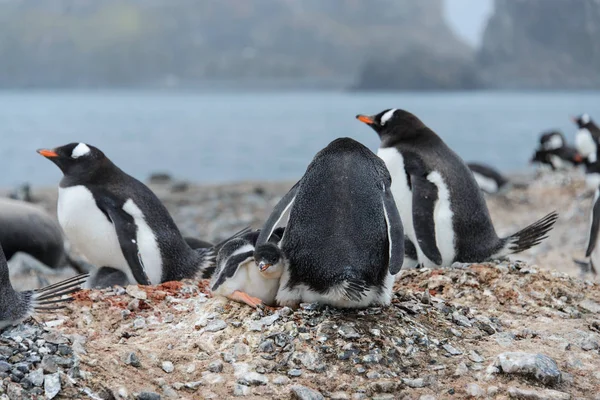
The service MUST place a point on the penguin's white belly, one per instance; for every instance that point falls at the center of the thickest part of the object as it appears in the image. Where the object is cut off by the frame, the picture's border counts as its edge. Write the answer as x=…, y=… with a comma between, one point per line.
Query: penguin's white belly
x=94, y=235
x=486, y=184
x=592, y=180
x=402, y=194
x=586, y=145
x=442, y=217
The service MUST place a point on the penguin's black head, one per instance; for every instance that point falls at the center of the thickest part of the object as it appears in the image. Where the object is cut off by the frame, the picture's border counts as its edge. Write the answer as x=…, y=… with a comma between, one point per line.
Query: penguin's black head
x=393, y=124
x=269, y=259
x=75, y=158
x=582, y=121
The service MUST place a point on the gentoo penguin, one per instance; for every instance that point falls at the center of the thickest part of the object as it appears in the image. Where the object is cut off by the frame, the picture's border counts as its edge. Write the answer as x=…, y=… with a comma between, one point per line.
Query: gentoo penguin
x=489, y=180
x=442, y=208
x=587, y=141
x=27, y=228
x=344, y=240
x=554, y=151
x=593, y=249
x=116, y=221
x=249, y=274
x=18, y=306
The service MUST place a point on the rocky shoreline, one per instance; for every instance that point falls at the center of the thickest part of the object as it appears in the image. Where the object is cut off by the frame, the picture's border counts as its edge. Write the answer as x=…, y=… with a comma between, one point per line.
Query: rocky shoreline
x=509, y=329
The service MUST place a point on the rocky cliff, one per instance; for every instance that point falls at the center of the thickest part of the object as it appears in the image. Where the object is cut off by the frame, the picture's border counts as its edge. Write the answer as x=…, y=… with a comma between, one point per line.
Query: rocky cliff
x=550, y=44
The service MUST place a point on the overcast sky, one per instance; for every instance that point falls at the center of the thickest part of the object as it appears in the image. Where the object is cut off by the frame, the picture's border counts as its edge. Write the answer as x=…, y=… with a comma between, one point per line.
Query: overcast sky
x=468, y=17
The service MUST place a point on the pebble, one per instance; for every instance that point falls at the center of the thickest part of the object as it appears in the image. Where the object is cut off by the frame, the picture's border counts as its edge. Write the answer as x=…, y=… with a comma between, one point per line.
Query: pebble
x=300, y=392
x=590, y=305
x=589, y=343
x=373, y=375
x=267, y=346
x=241, y=390
x=414, y=383
x=36, y=377
x=348, y=332
x=281, y=380
x=461, y=320
x=216, y=325
x=339, y=396
x=540, y=366
x=136, y=292
x=49, y=365
x=530, y=394
x=474, y=390
x=4, y=366
x=133, y=360
x=52, y=385
x=451, y=350
x=269, y=320
x=294, y=373
x=385, y=386
x=475, y=357
x=167, y=366
x=253, y=379
x=139, y=323
x=193, y=385
x=215, y=367
x=461, y=369
x=148, y=396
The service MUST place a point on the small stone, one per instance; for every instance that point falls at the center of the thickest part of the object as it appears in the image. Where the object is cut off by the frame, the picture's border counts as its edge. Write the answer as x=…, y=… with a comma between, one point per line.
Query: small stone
x=300, y=392
x=375, y=332
x=52, y=385
x=373, y=375
x=215, y=367
x=540, y=366
x=268, y=346
x=492, y=390
x=14, y=392
x=451, y=350
x=461, y=370
x=427, y=397
x=348, y=332
x=36, y=377
x=589, y=343
x=136, y=292
x=49, y=365
x=528, y=394
x=461, y=320
x=4, y=366
x=253, y=379
x=504, y=339
x=139, y=323
x=216, y=325
x=168, y=367
x=169, y=392
x=193, y=385
x=281, y=380
x=133, y=360
x=414, y=383
x=474, y=390
x=294, y=373
x=241, y=390
x=426, y=297
x=148, y=396
x=385, y=386
x=476, y=358
x=590, y=305
x=269, y=320
x=339, y=396
x=384, y=397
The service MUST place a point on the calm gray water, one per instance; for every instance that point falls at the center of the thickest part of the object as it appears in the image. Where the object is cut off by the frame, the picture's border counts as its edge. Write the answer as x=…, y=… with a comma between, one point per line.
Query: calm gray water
x=224, y=137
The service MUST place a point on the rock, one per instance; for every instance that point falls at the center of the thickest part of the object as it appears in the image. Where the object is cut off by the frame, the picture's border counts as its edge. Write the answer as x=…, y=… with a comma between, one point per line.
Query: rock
x=133, y=360
x=136, y=292
x=474, y=390
x=139, y=323
x=348, y=332
x=590, y=343
x=267, y=346
x=300, y=392
x=461, y=369
x=385, y=386
x=540, y=366
x=49, y=365
x=269, y=320
x=461, y=320
x=52, y=385
x=193, y=385
x=36, y=377
x=414, y=383
x=253, y=379
x=148, y=396
x=216, y=325
x=241, y=390
x=492, y=391
x=590, y=305
x=294, y=373
x=476, y=358
x=4, y=366
x=529, y=394
x=215, y=367
x=451, y=350
x=168, y=367
x=339, y=396
x=14, y=392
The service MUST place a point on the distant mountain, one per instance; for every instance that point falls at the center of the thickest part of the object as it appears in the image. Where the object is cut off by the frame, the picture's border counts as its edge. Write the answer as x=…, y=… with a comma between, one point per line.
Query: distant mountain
x=86, y=43
x=547, y=44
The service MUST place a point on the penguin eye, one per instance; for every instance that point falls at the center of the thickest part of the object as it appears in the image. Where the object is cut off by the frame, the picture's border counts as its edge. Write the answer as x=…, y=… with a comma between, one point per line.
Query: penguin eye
x=80, y=150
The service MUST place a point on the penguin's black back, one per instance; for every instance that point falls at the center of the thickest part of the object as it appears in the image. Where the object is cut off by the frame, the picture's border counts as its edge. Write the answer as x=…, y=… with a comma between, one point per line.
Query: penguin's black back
x=489, y=172
x=336, y=229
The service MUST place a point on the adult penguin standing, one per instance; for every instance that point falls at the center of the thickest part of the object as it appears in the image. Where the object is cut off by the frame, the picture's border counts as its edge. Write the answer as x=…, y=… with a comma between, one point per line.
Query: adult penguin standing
x=344, y=239
x=441, y=205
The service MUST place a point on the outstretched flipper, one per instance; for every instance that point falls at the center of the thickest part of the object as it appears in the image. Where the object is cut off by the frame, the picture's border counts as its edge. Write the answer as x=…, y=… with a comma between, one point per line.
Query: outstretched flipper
x=278, y=212
x=395, y=232
x=425, y=195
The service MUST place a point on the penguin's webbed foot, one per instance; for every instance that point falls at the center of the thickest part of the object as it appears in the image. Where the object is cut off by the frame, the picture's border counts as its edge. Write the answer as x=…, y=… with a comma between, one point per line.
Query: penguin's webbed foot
x=245, y=298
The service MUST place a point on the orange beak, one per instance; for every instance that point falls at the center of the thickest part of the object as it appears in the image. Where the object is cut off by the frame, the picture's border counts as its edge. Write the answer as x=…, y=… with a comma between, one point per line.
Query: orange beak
x=47, y=153
x=263, y=266
x=578, y=158
x=365, y=118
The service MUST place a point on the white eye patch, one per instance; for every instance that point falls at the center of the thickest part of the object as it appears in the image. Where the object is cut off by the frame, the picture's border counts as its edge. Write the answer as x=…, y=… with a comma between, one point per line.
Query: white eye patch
x=385, y=117
x=554, y=143
x=80, y=150
x=585, y=118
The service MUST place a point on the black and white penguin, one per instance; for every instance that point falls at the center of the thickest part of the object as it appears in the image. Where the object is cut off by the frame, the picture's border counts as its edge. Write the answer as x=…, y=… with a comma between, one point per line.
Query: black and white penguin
x=587, y=142
x=247, y=273
x=554, y=152
x=593, y=249
x=117, y=222
x=489, y=179
x=442, y=208
x=27, y=228
x=18, y=306
x=344, y=240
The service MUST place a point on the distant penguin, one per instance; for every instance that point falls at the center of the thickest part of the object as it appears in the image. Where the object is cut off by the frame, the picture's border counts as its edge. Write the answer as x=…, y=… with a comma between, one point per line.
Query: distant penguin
x=18, y=306
x=593, y=248
x=116, y=221
x=554, y=151
x=587, y=141
x=249, y=274
x=27, y=228
x=344, y=240
x=489, y=180
x=442, y=208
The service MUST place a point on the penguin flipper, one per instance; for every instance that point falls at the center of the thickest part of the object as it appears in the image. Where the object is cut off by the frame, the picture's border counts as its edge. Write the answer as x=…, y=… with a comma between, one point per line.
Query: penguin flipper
x=280, y=209
x=594, y=228
x=425, y=195
x=127, y=234
x=395, y=232
x=231, y=267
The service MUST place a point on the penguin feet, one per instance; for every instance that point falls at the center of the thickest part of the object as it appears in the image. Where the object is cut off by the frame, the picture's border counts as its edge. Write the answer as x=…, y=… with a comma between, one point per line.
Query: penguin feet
x=245, y=298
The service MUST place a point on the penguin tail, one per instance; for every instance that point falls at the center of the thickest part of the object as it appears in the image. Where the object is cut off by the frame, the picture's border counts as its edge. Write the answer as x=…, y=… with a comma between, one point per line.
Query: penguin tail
x=209, y=256
x=528, y=237
x=50, y=298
